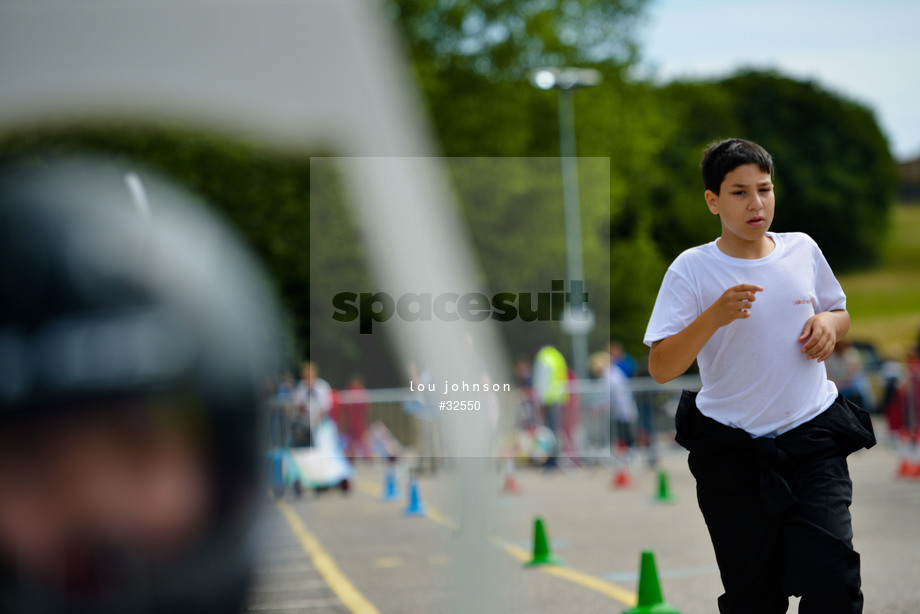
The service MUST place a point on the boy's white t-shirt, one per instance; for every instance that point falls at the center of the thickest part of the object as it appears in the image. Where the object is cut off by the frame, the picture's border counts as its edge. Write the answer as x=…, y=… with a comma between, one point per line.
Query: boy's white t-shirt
x=754, y=374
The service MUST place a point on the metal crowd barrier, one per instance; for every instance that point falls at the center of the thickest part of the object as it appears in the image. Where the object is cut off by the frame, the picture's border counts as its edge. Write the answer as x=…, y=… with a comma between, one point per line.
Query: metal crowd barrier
x=404, y=417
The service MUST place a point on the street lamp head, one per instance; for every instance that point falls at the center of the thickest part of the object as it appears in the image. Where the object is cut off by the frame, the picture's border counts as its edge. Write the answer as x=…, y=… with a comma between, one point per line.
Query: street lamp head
x=544, y=79
x=572, y=78
x=565, y=78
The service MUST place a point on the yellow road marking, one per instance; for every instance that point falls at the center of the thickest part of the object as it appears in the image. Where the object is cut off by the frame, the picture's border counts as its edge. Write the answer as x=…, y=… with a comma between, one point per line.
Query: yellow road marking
x=327, y=567
x=368, y=488
x=387, y=561
x=624, y=596
x=441, y=519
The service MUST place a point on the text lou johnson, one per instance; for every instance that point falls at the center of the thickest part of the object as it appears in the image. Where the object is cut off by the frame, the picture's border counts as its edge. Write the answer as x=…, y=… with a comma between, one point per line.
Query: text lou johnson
x=461, y=386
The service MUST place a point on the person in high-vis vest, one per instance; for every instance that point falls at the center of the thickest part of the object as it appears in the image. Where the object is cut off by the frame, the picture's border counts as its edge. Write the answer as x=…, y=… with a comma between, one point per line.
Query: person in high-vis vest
x=551, y=390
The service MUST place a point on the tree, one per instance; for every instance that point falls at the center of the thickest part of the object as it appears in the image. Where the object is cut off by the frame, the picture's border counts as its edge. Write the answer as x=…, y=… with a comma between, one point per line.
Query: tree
x=834, y=174
x=472, y=62
x=263, y=196
x=835, y=177
x=505, y=40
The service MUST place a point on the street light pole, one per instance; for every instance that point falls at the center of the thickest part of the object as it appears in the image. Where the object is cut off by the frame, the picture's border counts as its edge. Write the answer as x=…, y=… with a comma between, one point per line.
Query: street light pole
x=572, y=209
x=565, y=82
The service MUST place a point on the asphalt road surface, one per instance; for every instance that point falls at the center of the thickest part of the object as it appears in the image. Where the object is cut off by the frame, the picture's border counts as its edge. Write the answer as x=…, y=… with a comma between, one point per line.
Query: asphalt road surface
x=340, y=553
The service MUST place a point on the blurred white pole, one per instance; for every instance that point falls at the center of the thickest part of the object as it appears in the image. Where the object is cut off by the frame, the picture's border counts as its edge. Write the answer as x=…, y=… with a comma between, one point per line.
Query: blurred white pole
x=293, y=75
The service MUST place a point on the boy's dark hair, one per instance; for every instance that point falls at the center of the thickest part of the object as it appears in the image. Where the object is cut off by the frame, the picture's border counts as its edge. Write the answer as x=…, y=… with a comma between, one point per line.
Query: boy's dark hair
x=723, y=157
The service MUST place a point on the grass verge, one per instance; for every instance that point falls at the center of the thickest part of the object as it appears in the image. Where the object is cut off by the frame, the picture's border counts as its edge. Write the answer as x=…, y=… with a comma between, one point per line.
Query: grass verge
x=884, y=303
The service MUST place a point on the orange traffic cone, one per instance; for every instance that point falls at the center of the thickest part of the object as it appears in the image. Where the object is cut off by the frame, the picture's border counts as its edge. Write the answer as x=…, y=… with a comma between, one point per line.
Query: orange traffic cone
x=621, y=477
x=915, y=455
x=904, y=465
x=510, y=486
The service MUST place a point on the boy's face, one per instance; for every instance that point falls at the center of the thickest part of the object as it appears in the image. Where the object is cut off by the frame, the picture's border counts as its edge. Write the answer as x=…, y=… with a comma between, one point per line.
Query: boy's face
x=744, y=204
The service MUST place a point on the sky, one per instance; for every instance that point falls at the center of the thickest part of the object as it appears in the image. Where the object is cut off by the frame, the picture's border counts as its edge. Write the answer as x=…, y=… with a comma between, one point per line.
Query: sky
x=865, y=51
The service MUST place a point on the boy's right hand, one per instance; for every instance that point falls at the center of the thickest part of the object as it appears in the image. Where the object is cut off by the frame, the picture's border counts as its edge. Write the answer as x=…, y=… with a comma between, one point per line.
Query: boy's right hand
x=734, y=304
x=673, y=355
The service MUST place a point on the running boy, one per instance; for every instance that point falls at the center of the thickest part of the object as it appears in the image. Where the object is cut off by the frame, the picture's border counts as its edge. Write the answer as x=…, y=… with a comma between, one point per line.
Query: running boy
x=768, y=433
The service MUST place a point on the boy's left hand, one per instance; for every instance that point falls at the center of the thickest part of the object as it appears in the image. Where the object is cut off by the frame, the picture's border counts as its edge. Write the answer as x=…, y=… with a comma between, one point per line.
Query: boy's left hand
x=819, y=337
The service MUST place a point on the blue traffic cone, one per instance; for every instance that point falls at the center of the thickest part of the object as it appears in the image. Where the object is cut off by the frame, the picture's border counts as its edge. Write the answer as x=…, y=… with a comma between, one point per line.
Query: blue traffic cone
x=390, y=488
x=415, y=506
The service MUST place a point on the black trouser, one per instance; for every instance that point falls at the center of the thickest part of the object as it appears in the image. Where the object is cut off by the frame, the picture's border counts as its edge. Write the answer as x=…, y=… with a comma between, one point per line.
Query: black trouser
x=778, y=509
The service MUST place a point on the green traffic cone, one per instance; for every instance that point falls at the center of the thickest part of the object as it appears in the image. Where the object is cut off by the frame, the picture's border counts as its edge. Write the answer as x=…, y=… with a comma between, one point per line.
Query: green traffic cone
x=541, y=552
x=650, y=599
x=664, y=491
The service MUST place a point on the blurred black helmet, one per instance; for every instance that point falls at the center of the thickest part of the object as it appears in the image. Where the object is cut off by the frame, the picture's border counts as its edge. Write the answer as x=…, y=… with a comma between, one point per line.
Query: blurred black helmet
x=106, y=302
